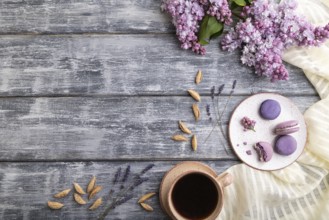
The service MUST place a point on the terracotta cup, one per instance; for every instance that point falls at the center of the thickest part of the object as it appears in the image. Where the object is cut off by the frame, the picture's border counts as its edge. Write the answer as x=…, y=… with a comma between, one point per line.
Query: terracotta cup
x=181, y=170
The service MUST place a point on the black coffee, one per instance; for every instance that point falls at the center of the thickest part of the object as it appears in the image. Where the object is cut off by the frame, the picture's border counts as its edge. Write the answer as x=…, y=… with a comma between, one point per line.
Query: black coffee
x=195, y=196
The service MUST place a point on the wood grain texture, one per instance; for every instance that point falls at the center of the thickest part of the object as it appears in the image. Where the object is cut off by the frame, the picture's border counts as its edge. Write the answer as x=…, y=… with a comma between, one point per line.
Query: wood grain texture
x=124, y=65
x=26, y=188
x=83, y=16
x=110, y=89
x=90, y=128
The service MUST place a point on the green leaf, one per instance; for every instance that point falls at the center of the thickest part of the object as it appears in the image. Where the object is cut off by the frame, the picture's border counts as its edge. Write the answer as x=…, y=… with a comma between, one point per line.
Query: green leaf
x=203, y=42
x=209, y=28
x=240, y=2
x=217, y=34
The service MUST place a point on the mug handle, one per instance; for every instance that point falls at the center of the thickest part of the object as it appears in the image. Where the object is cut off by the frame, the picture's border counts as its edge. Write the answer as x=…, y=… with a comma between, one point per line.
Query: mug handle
x=224, y=179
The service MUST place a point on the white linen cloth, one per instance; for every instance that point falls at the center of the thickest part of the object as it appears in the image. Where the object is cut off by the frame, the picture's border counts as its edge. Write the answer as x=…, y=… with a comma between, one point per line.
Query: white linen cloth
x=301, y=190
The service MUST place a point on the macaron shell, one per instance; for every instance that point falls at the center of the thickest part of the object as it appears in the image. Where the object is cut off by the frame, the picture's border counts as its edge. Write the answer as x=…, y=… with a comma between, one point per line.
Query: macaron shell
x=286, y=131
x=287, y=127
x=270, y=109
x=267, y=148
x=285, y=145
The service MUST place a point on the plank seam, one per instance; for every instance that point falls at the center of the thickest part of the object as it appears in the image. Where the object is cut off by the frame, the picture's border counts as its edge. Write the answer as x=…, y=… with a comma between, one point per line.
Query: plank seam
x=140, y=95
x=121, y=160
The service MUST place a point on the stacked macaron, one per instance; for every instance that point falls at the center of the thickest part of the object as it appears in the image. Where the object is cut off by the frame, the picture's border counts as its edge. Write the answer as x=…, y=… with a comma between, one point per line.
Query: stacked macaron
x=285, y=144
x=287, y=127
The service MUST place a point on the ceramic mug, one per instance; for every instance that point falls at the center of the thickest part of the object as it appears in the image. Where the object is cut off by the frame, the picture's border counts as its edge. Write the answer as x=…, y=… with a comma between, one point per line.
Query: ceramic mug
x=192, y=190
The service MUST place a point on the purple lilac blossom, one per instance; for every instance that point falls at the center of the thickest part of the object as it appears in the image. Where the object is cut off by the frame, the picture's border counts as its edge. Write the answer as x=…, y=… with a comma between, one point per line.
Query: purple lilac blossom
x=219, y=9
x=268, y=29
x=187, y=15
x=248, y=124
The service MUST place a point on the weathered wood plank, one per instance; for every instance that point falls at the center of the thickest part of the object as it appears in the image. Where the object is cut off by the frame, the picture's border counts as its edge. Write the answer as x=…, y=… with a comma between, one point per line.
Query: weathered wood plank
x=90, y=128
x=123, y=65
x=26, y=187
x=83, y=16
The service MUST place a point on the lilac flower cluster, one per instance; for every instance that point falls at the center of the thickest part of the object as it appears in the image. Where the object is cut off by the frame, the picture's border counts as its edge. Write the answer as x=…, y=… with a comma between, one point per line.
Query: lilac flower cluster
x=248, y=124
x=187, y=15
x=268, y=29
x=219, y=9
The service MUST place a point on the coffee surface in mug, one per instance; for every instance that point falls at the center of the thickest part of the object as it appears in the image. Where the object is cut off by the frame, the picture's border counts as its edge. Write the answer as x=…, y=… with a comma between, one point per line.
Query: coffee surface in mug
x=195, y=196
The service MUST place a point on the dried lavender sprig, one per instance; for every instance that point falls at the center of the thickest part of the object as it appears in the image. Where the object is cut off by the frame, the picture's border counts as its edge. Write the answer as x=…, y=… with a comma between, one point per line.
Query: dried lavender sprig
x=147, y=168
x=125, y=176
x=212, y=92
x=208, y=110
x=229, y=98
x=220, y=89
x=138, y=180
x=115, y=180
x=234, y=84
x=115, y=204
x=123, y=200
x=219, y=92
x=221, y=116
x=117, y=176
x=111, y=193
x=121, y=196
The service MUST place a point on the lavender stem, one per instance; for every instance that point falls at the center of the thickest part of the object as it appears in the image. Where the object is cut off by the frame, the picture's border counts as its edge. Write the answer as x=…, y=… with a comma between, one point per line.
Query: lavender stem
x=137, y=180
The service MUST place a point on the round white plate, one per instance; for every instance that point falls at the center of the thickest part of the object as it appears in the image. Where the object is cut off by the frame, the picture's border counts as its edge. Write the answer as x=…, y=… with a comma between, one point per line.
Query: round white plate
x=243, y=141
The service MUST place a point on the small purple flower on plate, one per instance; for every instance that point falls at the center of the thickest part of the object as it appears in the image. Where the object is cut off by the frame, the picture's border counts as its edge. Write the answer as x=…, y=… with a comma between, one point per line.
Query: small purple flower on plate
x=248, y=124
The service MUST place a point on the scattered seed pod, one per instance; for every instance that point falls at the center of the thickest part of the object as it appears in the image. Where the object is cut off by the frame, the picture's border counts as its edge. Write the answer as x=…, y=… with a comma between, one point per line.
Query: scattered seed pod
x=147, y=207
x=79, y=199
x=196, y=111
x=96, y=190
x=91, y=184
x=55, y=205
x=194, y=143
x=184, y=128
x=62, y=194
x=78, y=189
x=179, y=138
x=96, y=204
x=194, y=95
x=146, y=197
x=198, y=77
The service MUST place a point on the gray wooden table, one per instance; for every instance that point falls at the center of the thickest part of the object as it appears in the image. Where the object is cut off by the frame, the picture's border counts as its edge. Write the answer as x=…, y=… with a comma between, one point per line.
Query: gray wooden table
x=88, y=86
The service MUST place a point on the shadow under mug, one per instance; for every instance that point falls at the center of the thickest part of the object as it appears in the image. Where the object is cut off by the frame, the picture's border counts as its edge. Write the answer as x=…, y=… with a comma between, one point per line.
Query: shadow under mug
x=217, y=183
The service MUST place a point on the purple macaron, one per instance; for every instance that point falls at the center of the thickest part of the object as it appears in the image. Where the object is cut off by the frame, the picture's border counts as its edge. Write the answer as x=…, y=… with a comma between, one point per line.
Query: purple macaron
x=270, y=109
x=287, y=127
x=264, y=151
x=285, y=145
